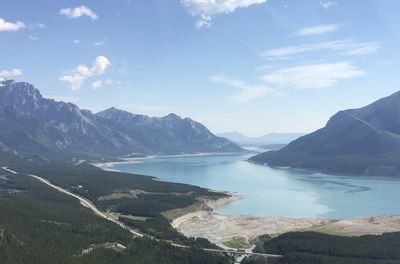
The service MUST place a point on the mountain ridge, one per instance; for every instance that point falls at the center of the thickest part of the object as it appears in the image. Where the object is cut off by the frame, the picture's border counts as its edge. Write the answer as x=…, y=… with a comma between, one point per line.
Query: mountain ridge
x=32, y=124
x=362, y=141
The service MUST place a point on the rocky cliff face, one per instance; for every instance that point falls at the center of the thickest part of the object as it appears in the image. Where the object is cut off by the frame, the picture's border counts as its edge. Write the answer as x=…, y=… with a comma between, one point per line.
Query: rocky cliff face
x=33, y=124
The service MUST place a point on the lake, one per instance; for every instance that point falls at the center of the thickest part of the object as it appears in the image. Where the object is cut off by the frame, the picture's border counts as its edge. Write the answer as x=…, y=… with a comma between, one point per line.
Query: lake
x=276, y=192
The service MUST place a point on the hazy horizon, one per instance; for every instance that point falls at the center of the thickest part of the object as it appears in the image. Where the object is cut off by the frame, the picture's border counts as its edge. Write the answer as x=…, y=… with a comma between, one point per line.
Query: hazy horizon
x=253, y=67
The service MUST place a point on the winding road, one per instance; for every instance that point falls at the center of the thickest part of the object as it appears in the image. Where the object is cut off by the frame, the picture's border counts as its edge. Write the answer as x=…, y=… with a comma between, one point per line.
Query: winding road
x=88, y=204
x=84, y=202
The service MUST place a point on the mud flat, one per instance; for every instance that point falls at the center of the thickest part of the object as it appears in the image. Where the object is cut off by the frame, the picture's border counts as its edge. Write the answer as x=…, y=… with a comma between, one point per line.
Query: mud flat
x=220, y=228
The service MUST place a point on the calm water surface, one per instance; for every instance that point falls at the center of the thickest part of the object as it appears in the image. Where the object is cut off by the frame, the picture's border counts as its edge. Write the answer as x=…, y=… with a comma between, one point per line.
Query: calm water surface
x=277, y=192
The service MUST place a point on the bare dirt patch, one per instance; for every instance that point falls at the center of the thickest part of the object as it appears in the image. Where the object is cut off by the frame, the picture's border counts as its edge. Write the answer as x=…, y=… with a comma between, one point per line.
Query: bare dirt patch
x=109, y=245
x=223, y=229
x=220, y=228
x=361, y=226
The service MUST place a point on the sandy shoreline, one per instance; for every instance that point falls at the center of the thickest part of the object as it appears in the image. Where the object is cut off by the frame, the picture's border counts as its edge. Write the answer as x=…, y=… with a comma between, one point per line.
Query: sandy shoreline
x=219, y=228
x=110, y=166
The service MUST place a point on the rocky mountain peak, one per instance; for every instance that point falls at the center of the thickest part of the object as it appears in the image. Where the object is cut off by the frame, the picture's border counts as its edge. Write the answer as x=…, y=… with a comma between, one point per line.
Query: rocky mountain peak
x=20, y=96
x=32, y=124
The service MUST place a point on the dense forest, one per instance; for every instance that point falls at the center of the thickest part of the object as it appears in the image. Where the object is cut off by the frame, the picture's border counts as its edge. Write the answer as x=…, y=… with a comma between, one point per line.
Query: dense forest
x=311, y=247
x=141, y=200
x=41, y=225
x=44, y=226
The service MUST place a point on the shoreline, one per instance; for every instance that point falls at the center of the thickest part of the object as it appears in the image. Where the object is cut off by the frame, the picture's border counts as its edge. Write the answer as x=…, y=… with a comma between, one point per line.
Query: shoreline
x=220, y=228
x=203, y=219
x=231, y=197
x=327, y=172
x=109, y=165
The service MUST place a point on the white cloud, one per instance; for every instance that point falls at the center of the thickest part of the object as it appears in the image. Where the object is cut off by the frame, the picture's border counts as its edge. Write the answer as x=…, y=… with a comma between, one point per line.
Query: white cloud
x=100, y=66
x=78, y=76
x=78, y=12
x=7, y=74
x=346, y=47
x=204, y=21
x=99, y=43
x=327, y=4
x=247, y=92
x=9, y=26
x=206, y=9
x=75, y=80
x=76, y=41
x=363, y=49
x=97, y=84
x=32, y=38
x=34, y=26
x=313, y=75
x=317, y=30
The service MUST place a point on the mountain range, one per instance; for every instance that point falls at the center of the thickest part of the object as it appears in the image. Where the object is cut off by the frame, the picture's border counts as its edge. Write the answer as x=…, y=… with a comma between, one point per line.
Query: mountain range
x=31, y=124
x=268, y=139
x=364, y=141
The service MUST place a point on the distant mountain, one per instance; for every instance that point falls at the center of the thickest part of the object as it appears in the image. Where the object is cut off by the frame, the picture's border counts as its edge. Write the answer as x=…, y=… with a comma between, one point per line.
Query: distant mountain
x=274, y=146
x=31, y=124
x=269, y=139
x=170, y=134
x=364, y=141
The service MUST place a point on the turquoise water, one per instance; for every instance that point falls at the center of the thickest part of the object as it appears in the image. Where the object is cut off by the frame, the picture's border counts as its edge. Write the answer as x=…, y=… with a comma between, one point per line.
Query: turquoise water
x=277, y=192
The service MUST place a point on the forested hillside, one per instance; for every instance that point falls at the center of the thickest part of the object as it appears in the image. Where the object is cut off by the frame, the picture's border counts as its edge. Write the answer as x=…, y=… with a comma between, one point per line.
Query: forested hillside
x=40, y=225
x=310, y=247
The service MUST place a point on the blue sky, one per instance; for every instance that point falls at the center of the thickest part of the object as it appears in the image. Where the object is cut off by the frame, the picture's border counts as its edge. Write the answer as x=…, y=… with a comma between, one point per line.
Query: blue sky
x=252, y=66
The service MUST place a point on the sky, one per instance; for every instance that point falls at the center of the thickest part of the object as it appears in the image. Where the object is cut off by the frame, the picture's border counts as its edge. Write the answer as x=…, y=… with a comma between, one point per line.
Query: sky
x=252, y=66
